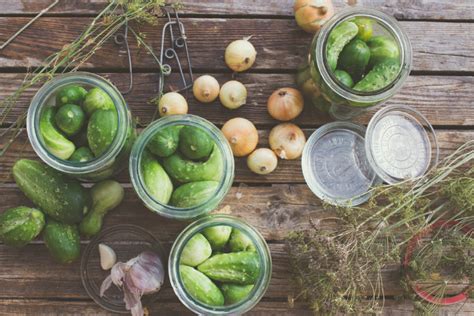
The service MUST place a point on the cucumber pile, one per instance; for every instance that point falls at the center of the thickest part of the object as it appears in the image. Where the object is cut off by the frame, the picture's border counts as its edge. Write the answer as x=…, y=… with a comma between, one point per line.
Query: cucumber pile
x=359, y=60
x=82, y=124
x=219, y=266
x=181, y=166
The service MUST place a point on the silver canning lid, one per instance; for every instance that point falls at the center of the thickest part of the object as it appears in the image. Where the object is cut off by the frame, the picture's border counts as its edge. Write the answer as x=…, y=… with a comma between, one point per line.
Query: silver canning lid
x=335, y=164
x=400, y=144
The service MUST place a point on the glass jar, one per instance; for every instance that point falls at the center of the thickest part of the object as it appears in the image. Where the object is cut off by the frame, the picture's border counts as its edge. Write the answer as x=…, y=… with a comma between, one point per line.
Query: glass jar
x=261, y=284
x=167, y=210
x=114, y=157
x=326, y=92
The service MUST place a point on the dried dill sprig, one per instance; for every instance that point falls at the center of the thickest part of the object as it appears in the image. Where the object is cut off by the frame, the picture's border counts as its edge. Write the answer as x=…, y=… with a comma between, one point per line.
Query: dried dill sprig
x=334, y=267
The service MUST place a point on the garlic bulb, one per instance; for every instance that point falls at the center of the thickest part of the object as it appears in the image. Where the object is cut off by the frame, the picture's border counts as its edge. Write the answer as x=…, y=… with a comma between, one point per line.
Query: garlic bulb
x=240, y=55
x=233, y=94
x=172, y=103
x=206, y=89
x=107, y=257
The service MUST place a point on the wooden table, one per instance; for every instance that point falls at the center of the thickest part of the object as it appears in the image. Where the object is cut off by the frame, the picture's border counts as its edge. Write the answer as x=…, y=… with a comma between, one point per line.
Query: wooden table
x=440, y=86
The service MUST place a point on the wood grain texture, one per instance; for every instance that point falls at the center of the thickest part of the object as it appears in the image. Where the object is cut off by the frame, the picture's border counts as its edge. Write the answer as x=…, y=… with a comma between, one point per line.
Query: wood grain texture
x=444, y=100
x=279, y=43
x=288, y=171
x=434, y=9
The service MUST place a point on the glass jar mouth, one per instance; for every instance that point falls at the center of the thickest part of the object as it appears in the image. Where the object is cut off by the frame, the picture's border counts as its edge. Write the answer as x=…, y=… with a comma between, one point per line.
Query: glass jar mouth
x=167, y=210
x=40, y=100
x=260, y=286
x=390, y=25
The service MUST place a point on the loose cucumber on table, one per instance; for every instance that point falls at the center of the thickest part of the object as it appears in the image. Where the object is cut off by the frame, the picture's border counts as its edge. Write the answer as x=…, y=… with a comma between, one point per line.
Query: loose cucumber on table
x=62, y=241
x=59, y=196
x=20, y=225
x=54, y=141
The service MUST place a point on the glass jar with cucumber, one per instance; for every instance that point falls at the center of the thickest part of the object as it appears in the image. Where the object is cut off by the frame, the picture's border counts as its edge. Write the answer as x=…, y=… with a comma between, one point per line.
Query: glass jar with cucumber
x=78, y=123
x=219, y=265
x=181, y=166
x=360, y=58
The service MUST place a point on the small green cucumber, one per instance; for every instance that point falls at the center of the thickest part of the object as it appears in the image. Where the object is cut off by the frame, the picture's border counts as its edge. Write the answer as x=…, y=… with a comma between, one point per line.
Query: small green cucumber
x=365, y=28
x=338, y=38
x=59, y=196
x=101, y=130
x=200, y=287
x=70, y=94
x=354, y=58
x=382, y=48
x=184, y=171
x=344, y=78
x=235, y=267
x=234, y=293
x=82, y=154
x=97, y=99
x=239, y=241
x=217, y=235
x=106, y=196
x=196, y=251
x=379, y=77
x=54, y=141
x=70, y=118
x=193, y=193
x=62, y=241
x=165, y=141
x=20, y=225
x=157, y=181
x=195, y=143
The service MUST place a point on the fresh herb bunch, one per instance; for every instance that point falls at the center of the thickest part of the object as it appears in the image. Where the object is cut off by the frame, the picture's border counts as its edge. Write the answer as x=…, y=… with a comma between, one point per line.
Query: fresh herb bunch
x=111, y=19
x=338, y=268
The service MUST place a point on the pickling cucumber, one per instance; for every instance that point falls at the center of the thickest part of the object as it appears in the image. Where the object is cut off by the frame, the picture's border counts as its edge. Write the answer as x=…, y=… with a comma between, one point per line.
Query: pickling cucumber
x=354, y=58
x=235, y=267
x=379, y=77
x=234, y=293
x=54, y=141
x=200, y=287
x=82, y=154
x=70, y=118
x=165, y=141
x=217, y=235
x=70, y=94
x=101, y=130
x=365, y=28
x=196, y=251
x=97, y=99
x=239, y=241
x=62, y=241
x=344, y=78
x=60, y=197
x=157, y=181
x=185, y=171
x=20, y=225
x=194, y=143
x=381, y=49
x=338, y=38
x=193, y=194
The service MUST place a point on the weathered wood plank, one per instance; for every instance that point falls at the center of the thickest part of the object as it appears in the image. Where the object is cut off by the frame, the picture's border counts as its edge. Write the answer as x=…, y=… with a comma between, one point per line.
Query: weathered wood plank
x=288, y=171
x=444, y=100
x=285, y=49
x=435, y=9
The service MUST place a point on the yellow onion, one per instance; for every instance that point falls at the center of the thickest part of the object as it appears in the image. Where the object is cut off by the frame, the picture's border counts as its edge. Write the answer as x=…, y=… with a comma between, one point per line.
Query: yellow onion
x=287, y=141
x=172, y=103
x=285, y=104
x=233, y=94
x=310, y=15
x=262, y=161
x=206, y=89
x=241, y=135
x=240, y=55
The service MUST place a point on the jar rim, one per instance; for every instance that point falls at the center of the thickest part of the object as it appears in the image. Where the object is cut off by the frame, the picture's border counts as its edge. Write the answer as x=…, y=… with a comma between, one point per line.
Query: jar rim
x=391, y=25
x=260, y=286
x=39, y=101
x=166, y=210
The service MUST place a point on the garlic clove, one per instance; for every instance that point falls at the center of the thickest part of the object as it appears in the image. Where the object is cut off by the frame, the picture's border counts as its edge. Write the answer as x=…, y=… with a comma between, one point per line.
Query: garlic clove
x=107, y=257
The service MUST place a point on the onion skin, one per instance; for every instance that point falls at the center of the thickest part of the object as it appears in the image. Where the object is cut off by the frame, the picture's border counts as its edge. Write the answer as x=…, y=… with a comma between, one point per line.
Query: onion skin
x=241, y=135
x=262, y=161
x=287, y=141
x=310, y=15
x=285, y=104
x=240, y=55
x=233, y=94
x=172, y=103
x=206, y=89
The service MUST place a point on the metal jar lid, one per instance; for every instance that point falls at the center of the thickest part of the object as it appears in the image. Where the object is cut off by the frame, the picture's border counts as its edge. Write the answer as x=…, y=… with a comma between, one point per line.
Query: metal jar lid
x=335, y=164
x=400, y=144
